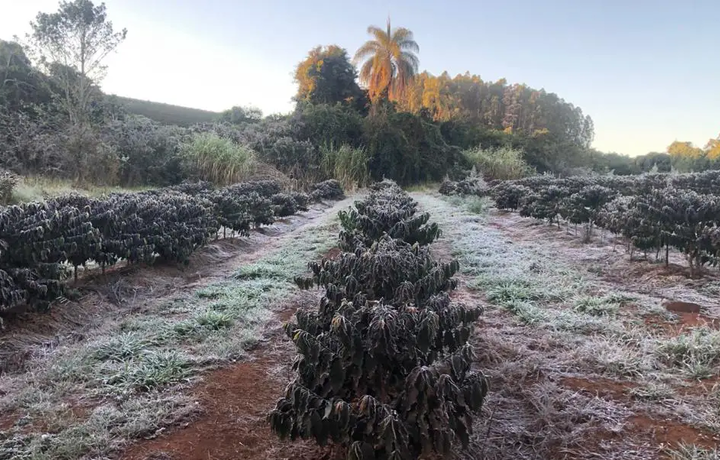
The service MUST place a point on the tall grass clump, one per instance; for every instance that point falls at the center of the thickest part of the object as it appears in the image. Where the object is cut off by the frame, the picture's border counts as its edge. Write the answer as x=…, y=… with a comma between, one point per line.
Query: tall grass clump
x=347, y=164
x=503, y=163
x=218, y=160
x=8, y=181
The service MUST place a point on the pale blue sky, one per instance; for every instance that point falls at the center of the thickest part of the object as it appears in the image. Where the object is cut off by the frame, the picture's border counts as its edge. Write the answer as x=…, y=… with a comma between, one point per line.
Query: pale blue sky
x=648, y=72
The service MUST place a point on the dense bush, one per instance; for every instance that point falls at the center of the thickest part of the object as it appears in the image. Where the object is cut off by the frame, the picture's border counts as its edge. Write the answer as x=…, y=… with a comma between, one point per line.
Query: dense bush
x=652, y=211
x=302, y=200
x=40, y=241
x=327, y=190
x=150, y=152
x=471, y=185
x=283, y=205
x=384, y=363
x=507, y=195
x=386, y=211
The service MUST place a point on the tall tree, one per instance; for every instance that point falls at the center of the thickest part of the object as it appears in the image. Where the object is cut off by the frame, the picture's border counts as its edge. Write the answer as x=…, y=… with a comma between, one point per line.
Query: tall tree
x=712, y=149
x=20, y=83
x=238, y=115
x=327, y=76
x=72, y=44
x=389, y=62
x=684, y=149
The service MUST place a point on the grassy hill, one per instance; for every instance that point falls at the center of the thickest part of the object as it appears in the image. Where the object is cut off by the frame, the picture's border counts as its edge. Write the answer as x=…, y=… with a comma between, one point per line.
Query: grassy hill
x=166, y=113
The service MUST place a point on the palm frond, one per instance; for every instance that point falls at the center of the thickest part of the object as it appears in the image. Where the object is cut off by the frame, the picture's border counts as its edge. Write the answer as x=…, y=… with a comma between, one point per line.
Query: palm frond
x=404, y=38
x=366, y=71
x=368, y=49
x=379, y=34
x=412, y=60
x=390, y=61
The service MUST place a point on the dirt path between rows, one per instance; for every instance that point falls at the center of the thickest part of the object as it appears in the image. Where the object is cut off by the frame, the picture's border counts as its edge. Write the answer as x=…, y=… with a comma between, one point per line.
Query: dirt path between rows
x=235, y=402
x=232, y=402
x=134, y=289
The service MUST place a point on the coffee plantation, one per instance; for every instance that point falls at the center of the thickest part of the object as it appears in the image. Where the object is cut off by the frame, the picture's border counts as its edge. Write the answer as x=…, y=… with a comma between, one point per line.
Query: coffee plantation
x=384, y=363
x=653, y=212
x=41, y=242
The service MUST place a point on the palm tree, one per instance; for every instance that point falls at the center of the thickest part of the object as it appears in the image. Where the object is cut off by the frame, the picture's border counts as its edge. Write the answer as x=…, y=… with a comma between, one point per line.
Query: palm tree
x=389, y=61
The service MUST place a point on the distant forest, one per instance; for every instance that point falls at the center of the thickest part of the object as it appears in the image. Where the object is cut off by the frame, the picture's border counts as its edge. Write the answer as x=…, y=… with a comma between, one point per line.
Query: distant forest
x=363, y=118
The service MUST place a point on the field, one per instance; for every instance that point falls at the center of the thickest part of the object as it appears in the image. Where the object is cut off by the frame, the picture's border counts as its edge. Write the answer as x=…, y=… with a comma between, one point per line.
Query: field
x=588, y=354
x=166, y=113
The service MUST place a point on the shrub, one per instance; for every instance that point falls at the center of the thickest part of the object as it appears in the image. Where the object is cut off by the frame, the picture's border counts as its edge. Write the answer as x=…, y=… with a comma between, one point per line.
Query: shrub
x=471, y=185
x=507, y=195
x=150, y=151
x=283, y=205
x=218, y=160
x=301, y=199
x=388, y=210
x=503, y=163
x=384, y=363
x=327, y=190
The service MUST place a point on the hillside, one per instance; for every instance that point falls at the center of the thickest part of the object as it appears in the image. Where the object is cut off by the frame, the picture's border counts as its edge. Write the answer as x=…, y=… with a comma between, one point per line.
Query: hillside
x=166, y=113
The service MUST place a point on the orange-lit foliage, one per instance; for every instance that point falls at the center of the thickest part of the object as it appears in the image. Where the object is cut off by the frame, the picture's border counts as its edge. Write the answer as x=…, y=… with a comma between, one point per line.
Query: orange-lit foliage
x=388, y=62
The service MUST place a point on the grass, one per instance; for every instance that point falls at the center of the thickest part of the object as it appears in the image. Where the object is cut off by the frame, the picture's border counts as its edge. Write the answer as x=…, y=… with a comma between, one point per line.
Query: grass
x=697, y=353
x=219, y=160
x=473, y=204
x=598, y=306
x=567, y=321
x=141, y=363
x=692, y=452
x=503, y=163
x=421, y=187
x=37, y=188
x=653, y=392
x=347, y=164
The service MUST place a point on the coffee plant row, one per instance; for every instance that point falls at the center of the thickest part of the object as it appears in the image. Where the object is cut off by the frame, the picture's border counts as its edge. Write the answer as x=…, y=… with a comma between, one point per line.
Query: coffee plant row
x=384, y=363
x=707, y=182
x=40, y=242
x=651, y=214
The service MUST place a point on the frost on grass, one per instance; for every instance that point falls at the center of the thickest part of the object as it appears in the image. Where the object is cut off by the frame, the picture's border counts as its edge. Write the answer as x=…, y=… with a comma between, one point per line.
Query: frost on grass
x=102, y=432
x=549, y=316
x=697, y=353
x=692, y=452
x=142, y=363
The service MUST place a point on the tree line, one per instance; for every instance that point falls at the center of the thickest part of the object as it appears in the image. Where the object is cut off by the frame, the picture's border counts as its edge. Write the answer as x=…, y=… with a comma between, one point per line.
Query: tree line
x=358, y=119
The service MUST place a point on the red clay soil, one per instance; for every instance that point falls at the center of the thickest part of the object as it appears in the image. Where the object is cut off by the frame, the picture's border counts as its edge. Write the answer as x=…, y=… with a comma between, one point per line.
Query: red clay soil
x=668, y=433
x=235, y=403
x=699, y=387
x=661, y=433
x=601, y=387
x=685, y=321
x=7, y=421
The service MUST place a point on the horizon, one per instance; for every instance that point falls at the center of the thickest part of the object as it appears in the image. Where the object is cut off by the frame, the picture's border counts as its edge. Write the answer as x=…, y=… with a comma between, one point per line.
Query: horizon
x=641, y=96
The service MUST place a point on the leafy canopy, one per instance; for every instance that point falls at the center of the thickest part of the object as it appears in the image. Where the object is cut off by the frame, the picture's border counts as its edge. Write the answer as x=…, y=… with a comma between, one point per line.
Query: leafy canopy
x=326, y=76
x=389, y=61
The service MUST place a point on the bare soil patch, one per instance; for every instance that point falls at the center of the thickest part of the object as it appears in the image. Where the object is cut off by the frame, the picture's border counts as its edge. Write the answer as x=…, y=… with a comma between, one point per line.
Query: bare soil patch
x=599, y=387
x=235, y=402
x=669, y=433
x=134, y=288
x=684, y=323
